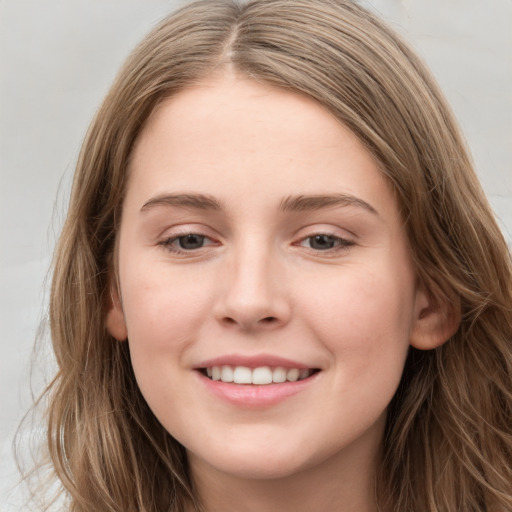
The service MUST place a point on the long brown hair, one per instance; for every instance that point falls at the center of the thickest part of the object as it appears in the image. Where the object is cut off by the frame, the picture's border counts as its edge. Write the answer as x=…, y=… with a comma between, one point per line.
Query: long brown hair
x=448, y=441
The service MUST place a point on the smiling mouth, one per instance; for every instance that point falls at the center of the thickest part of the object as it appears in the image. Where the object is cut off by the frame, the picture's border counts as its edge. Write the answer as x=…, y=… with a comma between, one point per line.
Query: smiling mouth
x=261, y=375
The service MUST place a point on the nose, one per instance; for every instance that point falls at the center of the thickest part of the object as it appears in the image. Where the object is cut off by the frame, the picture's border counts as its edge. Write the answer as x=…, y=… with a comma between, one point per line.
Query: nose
x=253, y=294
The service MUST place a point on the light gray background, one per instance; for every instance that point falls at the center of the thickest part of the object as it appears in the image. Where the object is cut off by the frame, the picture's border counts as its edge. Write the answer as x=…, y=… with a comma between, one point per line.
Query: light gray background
x=57, y=59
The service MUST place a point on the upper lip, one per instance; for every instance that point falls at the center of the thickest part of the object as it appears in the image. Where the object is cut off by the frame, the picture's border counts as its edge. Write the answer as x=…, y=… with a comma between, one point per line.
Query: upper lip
x=255, y=361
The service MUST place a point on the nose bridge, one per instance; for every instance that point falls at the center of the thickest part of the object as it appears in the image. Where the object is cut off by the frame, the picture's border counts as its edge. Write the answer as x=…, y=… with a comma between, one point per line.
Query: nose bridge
x=254, y=295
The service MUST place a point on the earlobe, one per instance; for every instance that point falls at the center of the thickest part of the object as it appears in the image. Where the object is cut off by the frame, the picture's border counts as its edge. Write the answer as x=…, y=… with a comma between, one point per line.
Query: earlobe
x=115, y=322
x=434, y=323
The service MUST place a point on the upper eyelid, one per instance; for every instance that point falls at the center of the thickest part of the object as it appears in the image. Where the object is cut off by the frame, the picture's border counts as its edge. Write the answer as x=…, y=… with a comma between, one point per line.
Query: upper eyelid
x=336, y=251
x=178, y=230
x=326, y=229
x=169, y=243
x=177, y=236
x=304, y=232
x=345, y=240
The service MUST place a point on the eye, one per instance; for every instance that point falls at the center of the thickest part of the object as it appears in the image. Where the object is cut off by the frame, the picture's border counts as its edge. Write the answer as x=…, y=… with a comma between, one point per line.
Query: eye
x=325, y=242
x=187, y=243
x=190, y=242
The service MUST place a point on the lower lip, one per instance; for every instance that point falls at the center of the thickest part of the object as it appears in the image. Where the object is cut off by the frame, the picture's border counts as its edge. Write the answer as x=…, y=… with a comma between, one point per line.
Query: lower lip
x=256, y=396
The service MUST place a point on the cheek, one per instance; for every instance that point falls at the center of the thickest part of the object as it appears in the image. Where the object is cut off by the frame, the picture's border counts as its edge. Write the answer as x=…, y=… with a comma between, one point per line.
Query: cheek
x=162, y=311
x=163, y=314
x=366, y=322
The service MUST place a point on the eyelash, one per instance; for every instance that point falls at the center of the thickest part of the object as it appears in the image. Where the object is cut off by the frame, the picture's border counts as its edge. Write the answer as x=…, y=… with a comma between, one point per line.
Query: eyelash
x=339, y=244
x=169, y=243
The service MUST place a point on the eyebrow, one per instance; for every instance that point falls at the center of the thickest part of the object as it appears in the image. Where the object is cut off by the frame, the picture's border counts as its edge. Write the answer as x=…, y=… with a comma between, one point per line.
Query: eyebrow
x=318, y=202
x=198, y=201
x=297, y=203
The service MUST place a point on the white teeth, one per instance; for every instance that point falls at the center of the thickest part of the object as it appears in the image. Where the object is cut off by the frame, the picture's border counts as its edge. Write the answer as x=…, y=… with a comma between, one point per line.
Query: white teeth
x=226, y=374
x=262, y=375
x=279, y=374
x=293, y=374
x=242, y=375
x=259, y=376
x=216, y=373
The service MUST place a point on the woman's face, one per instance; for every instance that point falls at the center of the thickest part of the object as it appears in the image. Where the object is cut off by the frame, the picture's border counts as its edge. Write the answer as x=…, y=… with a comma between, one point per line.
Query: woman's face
x=259, y=242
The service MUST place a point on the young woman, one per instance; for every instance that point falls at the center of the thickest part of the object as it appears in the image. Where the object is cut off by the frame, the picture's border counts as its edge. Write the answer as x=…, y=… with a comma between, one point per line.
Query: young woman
x=279, y=285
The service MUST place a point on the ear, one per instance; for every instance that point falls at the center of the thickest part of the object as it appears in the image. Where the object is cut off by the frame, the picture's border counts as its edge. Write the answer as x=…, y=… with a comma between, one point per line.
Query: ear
x=435, y=321
x=115, y=322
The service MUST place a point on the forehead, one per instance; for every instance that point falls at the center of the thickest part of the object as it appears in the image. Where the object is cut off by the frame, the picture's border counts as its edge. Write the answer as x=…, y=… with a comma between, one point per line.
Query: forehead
x=243, y=109
x=234, y=134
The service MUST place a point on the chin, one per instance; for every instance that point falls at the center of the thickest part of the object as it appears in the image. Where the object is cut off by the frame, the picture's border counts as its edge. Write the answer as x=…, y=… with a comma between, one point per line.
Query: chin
x=264, y=470
x=256, y=462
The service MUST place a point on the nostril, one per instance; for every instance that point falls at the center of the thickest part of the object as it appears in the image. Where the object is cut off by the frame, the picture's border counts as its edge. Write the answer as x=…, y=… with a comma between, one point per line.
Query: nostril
x=249, y=324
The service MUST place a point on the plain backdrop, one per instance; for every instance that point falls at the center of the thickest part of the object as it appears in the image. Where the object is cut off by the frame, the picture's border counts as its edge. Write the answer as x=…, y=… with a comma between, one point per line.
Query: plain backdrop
x=57, y=59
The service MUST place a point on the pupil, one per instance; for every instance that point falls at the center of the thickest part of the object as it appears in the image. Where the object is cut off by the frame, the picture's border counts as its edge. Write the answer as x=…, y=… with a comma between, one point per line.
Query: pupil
x=322, y=242
x=191, y=241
